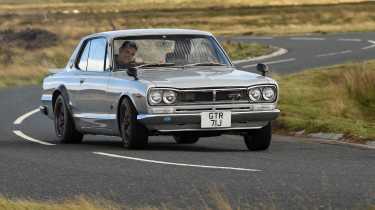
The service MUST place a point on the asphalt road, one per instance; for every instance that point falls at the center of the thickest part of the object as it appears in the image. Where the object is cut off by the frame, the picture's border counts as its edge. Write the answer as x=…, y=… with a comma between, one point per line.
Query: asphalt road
x=315, y=50
x=295, y=173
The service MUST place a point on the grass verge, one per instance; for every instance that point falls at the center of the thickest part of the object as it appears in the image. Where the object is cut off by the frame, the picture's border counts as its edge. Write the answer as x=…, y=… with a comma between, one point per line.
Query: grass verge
x=82, y=203
x=338, y=99
x=239, y=51
x=79, y=203
x=216, y=201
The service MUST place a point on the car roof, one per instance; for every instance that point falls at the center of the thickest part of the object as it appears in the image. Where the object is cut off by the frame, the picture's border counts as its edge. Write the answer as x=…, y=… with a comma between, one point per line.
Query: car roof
x=142, y=32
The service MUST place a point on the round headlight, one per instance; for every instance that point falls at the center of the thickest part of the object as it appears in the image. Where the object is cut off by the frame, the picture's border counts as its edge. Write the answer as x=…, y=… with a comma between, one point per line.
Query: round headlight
x=169, y=97
x=156, y=96
x=269, y=94
x=255, y=94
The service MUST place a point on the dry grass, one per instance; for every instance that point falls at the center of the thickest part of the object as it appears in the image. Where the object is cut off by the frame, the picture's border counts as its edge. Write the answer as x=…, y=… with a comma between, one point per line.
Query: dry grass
x=125, y=5
x=22, y=66
x=215, y=200
x=80, y=203
x=337, y=99
x=228, y=18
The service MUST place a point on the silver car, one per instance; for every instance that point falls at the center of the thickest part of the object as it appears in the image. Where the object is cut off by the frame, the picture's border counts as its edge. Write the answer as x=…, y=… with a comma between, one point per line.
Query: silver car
x=139, y=83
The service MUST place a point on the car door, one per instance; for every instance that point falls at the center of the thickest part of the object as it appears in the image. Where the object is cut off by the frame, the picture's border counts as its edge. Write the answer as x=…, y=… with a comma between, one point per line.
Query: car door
x=77, y=67
x=95, y=107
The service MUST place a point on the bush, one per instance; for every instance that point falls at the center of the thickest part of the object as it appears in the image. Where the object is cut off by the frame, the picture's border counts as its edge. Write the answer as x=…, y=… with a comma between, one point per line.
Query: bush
x=28, y=38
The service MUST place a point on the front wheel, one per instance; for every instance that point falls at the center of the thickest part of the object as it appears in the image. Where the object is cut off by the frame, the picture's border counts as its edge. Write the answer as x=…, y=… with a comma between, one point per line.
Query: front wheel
x=64, y=125
x=260, y=139
x=134, y=135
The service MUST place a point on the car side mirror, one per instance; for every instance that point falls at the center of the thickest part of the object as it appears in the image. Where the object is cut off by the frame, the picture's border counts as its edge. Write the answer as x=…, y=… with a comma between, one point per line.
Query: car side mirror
x=262, y=68
x=133, y=72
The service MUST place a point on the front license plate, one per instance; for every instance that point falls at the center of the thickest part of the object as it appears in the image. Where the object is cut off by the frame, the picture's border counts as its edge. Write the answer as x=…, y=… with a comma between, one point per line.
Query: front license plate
x=216, y=119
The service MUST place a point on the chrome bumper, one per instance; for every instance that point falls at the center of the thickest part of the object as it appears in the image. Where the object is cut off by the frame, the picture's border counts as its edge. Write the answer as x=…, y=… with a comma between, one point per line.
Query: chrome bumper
x=192, y=121
x=46, y=106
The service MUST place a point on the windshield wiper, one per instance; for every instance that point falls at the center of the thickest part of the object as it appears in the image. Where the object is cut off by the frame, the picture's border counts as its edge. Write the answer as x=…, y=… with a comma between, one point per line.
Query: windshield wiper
x=205, y=64
x=154, y=65
x=147, y=65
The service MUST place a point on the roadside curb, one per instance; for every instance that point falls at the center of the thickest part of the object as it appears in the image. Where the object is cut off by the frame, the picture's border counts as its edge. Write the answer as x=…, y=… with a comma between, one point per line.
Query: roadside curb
x=336, y=142
x=326, y=141
x=280, y=51
x=356, y=145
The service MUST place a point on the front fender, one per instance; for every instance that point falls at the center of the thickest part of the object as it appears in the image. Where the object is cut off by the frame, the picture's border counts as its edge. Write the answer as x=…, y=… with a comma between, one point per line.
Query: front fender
x=139, y=100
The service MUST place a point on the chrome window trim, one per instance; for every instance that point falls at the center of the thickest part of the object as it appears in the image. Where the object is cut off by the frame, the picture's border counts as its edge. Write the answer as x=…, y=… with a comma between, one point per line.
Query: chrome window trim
x=83, y=45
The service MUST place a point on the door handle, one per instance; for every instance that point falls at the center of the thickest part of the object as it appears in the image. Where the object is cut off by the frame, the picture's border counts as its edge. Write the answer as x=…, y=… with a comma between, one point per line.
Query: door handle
x=81, y=81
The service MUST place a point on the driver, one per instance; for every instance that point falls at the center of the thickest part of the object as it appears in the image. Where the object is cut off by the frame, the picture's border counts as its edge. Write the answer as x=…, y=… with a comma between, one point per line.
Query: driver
x=125, y=58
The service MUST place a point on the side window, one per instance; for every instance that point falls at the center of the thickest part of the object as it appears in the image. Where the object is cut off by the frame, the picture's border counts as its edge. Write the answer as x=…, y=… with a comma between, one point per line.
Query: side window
x=97, y=54
x=82, y=64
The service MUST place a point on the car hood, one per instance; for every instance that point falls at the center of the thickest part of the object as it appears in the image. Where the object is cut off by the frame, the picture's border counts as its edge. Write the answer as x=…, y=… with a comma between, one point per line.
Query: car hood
x=193, y=77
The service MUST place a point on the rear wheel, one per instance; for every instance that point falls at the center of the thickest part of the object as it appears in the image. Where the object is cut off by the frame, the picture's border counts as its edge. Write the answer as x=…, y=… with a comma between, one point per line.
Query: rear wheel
x=64, y=124
x=185, y=139
x=134, y=135
x=260, y=139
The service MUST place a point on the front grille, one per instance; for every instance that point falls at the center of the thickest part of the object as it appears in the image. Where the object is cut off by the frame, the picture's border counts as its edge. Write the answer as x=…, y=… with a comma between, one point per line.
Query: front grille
x=213, y=96
x=195, y=97
x=231, y=95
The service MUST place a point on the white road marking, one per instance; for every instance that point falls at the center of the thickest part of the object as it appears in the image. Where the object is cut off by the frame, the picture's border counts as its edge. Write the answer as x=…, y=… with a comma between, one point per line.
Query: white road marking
x=20, y=119
x=19, y=133
x=176, y=164
x=280, y=51
x=334, y=53
x=368, y=47
x=28, y=138
x=272, y=62
x=350, y=40
x=307, y=38
x=371, y=46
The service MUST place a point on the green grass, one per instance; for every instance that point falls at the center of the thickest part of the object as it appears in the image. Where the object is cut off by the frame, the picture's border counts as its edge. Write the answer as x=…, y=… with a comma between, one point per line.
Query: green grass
x=338, y=99
x=238, y=51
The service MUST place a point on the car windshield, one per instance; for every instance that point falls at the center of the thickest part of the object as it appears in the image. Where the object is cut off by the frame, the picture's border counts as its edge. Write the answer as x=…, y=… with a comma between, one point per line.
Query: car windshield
x=168, y=51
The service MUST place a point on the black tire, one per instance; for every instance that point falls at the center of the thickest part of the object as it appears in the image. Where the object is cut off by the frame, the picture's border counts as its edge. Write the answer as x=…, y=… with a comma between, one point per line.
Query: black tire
x=134, y=135
x=260, y=139
x=185, y=139
x=64, y=124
